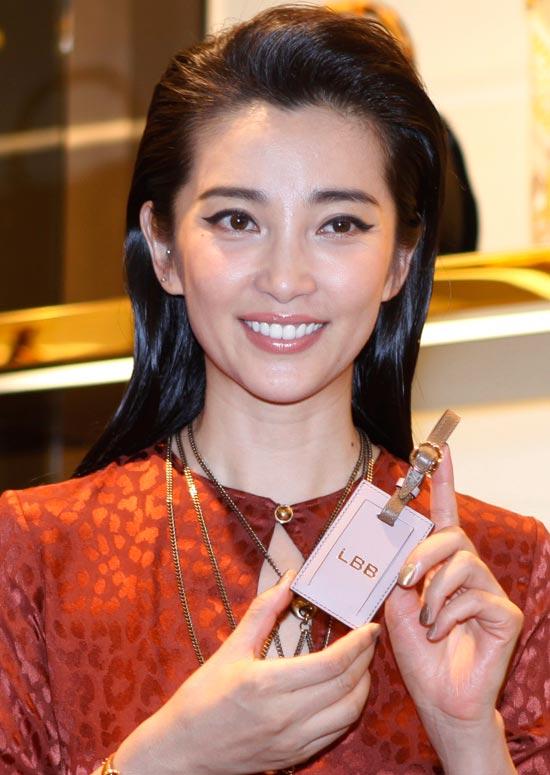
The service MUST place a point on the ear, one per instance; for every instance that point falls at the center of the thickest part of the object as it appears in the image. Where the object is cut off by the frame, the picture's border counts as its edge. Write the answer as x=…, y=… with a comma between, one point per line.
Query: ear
x=398, y=272
x=162, y=255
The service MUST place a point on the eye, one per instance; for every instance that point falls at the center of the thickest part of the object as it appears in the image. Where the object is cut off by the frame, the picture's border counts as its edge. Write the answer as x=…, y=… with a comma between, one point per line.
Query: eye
x=344, y=224
x=232, y=220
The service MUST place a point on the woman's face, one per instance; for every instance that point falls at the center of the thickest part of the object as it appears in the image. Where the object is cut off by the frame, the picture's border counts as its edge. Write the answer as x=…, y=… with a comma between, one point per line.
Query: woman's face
x=284, y=248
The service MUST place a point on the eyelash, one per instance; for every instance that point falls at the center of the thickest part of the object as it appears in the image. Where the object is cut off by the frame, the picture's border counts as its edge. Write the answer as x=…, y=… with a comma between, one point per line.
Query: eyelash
x=216, y=219
x=357, y=222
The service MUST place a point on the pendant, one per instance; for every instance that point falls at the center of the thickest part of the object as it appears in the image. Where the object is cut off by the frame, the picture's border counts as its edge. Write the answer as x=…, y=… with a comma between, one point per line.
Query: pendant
x=302, y=609
x=283, y=514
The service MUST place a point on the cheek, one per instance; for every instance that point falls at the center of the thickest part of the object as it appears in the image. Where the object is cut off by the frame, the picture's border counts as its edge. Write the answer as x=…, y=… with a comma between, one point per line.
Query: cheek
x=212, y=292
x=207, y=269
x=360, y=299
x=362, y=289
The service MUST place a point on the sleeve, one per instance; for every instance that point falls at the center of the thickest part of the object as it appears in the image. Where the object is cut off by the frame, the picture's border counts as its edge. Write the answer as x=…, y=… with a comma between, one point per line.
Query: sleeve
x=29, y=738
x=525, y=701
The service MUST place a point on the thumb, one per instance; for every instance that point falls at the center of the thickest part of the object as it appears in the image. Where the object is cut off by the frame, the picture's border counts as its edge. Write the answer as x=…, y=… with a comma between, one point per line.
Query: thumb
x=259, y=619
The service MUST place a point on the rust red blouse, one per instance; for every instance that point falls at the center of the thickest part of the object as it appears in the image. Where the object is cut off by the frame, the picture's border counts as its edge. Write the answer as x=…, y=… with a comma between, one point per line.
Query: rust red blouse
x=92, y=637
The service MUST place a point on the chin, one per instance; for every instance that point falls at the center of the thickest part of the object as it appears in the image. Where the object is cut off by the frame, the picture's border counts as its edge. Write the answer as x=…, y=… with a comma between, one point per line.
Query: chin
x=283, y=392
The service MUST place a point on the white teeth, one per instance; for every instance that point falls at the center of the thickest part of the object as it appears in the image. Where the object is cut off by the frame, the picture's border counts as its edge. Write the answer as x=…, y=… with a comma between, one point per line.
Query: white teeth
x=289, y=332
x=286, y=332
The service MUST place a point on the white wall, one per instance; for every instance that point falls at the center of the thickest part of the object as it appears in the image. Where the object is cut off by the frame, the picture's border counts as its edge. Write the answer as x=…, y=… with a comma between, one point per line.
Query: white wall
x=473, y=57
x=501, y=389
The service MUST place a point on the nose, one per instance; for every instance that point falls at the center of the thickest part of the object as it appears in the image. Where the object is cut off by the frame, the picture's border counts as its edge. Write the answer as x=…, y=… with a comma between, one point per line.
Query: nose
x=286, y=270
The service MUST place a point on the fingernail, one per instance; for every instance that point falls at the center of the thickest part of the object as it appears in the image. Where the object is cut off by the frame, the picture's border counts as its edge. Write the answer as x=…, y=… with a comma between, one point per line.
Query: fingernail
x=286, y=576
x=376, y=632
x=373, y=630
x=407, y=574
x=431, y=632
x=425, y=616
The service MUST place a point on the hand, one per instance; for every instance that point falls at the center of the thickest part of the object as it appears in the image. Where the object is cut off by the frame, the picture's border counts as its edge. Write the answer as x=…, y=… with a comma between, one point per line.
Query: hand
x=453, y=638
x=240, y=714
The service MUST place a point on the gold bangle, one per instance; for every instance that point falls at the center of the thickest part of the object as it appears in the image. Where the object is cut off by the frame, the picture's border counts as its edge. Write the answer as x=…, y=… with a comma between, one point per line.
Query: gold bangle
x=108, y=768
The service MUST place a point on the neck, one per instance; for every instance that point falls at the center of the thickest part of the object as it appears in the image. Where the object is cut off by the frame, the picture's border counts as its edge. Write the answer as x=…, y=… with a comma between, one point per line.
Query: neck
x=289, y=453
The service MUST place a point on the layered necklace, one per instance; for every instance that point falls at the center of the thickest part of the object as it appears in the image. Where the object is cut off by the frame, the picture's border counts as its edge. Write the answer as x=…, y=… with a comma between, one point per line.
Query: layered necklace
x=302, y=609
x=283, y=514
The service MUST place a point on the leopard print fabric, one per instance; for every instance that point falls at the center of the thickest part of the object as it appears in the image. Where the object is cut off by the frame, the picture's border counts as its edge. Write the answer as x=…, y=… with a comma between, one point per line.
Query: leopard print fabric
x=92, y=637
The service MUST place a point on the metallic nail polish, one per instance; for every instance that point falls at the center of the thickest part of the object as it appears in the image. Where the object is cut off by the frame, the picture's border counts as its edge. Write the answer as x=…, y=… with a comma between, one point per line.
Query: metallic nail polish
x=425, y=616
x=407, y=574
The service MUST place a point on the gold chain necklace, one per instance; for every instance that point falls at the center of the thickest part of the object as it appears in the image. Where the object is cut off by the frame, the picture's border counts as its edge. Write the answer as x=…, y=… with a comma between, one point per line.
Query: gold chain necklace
x=283, y=514
x=303, y=610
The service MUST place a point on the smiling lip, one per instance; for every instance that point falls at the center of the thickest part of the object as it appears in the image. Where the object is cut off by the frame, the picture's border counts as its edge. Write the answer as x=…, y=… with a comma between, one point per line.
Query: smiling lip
x=282, y=333
x=281, y=317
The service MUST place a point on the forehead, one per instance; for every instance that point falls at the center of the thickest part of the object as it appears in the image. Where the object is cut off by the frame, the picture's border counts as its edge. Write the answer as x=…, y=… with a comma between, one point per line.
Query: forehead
x=260, y=143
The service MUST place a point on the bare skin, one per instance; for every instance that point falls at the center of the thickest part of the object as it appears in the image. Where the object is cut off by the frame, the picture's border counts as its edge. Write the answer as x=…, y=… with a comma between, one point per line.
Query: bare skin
x=279, y=424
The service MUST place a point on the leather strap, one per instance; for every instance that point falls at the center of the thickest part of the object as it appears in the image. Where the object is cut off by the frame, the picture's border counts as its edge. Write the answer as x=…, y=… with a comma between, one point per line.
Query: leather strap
x=424, y=460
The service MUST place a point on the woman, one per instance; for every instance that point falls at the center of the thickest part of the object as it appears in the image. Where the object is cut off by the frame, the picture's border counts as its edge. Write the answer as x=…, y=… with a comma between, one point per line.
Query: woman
x=282, y=226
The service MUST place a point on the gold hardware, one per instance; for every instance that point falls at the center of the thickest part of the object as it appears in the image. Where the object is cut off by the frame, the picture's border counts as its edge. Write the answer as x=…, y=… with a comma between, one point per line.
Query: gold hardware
x=428, y=455
x=283, y=514
x=302, y=609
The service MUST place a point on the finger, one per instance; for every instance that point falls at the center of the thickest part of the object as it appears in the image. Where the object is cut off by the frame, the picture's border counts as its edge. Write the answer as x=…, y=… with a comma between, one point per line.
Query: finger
x=463, y=571
x=495, y=614
x=311, y=669
x=443, y=508
x=259, y=620
x=296, y=753
x=338, y=717
x=314, y=698
x=434, y=550
x=318, y=744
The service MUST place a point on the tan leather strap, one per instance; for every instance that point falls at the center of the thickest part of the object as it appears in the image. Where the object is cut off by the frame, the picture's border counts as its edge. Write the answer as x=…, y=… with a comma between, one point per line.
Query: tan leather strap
x=424, y=460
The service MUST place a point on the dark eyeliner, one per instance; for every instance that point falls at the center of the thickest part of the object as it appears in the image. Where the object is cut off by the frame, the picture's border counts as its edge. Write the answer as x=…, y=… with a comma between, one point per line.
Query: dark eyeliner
x=223, y=214
x=361, y=225
x=353, y=220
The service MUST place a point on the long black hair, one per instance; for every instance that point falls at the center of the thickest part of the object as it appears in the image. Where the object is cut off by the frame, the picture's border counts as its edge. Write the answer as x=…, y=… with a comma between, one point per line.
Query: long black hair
x=288, y=56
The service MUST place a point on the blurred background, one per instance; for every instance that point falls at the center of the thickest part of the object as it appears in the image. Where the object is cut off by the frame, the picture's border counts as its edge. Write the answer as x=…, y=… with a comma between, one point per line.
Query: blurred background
x=76, y=79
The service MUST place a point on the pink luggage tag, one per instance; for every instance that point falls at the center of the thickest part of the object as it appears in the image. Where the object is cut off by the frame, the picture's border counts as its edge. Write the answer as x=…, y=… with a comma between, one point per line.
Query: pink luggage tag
x=355, y=564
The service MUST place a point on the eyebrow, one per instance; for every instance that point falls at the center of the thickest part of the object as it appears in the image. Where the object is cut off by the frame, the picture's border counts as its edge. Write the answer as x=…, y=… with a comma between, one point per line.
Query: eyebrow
x=233, y=192
x=319, y=196
x=343, y=195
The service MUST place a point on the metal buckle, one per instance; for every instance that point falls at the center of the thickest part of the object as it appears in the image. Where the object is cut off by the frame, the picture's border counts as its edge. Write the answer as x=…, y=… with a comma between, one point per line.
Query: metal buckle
x=426, y=457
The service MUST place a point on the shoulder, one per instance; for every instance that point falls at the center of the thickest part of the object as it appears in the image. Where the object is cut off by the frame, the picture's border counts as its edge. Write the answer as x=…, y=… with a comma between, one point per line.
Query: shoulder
x=116, y=488
x=516, y=548
x=494, y=528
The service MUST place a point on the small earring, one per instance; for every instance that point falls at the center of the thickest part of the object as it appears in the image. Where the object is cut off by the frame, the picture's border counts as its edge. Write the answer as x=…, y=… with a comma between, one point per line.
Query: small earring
x=168, y=251
x=163, y=278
